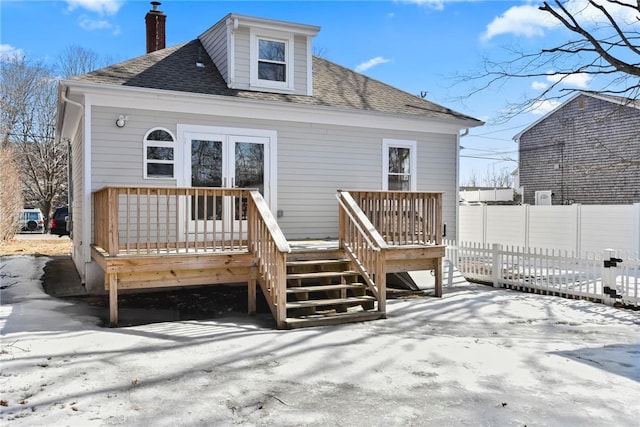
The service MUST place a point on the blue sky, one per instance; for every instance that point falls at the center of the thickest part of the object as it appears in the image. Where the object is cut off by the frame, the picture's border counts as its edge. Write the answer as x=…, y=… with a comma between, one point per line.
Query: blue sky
x=415, y=45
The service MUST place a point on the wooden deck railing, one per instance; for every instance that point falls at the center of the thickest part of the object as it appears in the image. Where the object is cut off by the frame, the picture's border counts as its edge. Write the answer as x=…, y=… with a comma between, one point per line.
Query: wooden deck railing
x=364, y=245
x=403, y=217
x=270, y=247
x=159, y=220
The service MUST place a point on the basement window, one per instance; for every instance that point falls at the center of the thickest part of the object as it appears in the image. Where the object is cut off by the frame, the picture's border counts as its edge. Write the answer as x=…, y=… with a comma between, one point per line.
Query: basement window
x=159, y=154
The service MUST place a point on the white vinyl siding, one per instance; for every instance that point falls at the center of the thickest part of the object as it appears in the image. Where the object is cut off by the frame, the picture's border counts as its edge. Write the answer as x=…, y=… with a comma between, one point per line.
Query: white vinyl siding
x=215, y=43
x=313, y=161
x=77, y=206
x=300, y=65
x=241, y=55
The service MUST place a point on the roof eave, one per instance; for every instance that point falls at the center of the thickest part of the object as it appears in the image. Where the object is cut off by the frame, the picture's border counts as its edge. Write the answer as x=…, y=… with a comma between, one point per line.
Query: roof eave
x=453, y=124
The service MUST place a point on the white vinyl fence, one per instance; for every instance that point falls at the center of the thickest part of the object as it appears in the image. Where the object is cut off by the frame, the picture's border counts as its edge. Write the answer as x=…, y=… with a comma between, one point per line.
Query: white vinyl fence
x=550, y=271
x=576, y=228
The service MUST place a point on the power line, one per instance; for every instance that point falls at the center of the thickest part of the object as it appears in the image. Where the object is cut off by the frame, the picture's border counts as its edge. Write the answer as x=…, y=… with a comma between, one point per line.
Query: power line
x=500, y=159
x=489, y=151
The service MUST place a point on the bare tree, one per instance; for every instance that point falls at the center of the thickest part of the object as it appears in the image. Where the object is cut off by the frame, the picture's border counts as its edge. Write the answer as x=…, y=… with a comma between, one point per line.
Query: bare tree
x=605, y=44
x=10, y=193
x=19, y=81
x=471, y=180
x=75, y=60
x=500, y=178
x=29, y=113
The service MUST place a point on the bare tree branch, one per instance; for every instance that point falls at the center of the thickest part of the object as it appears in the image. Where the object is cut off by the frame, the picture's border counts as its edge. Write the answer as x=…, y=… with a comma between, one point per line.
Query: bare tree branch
x=607, y=50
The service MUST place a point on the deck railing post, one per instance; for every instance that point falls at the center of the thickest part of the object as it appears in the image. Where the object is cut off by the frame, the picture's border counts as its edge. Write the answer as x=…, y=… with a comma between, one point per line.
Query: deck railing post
x=111, y=211
x=381, y=282
x=438, y=215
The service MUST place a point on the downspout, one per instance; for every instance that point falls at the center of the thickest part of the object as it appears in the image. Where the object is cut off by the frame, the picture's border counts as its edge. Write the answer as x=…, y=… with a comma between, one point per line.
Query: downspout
x=76, y=103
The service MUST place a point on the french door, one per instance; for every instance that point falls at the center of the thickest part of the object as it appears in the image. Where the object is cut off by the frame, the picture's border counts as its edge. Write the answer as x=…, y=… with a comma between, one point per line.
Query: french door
x=224, y=161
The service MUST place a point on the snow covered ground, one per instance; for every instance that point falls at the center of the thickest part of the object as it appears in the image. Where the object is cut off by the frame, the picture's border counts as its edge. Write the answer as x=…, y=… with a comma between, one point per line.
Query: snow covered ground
x=476, y=357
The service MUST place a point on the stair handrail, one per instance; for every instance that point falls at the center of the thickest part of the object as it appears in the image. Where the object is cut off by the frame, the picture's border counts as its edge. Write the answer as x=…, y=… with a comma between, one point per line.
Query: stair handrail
x=270, y=247
x=366, y=248
x=360, y=220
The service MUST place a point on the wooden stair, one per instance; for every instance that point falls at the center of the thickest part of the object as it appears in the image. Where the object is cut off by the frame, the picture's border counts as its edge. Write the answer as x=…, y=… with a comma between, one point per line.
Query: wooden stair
x=324, y=290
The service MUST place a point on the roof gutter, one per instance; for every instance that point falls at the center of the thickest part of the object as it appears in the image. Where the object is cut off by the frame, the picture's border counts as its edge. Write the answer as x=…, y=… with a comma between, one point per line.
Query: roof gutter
x=63, y=96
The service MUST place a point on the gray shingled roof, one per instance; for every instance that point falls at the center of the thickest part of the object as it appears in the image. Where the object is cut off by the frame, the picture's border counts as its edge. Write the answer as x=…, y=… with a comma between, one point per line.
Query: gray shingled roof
x=333, y=86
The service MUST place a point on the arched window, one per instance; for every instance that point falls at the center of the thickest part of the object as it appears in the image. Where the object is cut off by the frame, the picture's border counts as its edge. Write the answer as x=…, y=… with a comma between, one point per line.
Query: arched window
x=159, y=154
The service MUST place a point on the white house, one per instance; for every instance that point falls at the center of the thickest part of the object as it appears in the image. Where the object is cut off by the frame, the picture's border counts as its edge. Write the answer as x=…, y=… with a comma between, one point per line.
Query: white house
x=245, y=104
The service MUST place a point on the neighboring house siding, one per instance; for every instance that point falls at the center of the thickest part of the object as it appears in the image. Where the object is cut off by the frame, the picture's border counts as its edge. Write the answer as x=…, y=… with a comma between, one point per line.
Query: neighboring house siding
x=585, y=152
x=215, y=43
x=313, y=162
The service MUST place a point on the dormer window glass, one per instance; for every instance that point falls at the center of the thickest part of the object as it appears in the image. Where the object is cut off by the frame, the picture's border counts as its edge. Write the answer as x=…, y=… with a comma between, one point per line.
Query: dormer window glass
x=272, y=63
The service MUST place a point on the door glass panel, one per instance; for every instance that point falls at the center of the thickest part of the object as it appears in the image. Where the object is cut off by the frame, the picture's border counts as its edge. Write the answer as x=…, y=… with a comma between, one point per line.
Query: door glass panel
x=249, y=172
x=399, y=171
x=206, y=171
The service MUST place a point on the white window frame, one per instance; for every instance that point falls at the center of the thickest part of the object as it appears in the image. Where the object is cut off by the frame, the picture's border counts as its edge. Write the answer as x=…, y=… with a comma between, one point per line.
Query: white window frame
x=288, y=40
x=164, y=144
x=413, y=161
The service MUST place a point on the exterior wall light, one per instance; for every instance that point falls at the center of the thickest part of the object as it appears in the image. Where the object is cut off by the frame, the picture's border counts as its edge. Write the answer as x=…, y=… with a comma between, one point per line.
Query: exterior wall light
x=122, y=120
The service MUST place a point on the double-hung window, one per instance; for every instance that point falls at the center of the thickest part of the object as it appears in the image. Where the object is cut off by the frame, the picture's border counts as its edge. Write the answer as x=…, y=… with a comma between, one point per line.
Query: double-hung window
x=271, y=60
x=399, y=165
x=159, y=154
x=272, y=63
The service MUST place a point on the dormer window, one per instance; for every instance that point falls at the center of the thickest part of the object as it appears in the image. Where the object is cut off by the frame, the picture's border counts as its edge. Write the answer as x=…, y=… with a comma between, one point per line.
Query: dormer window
x=272, y=64
x=271, y=60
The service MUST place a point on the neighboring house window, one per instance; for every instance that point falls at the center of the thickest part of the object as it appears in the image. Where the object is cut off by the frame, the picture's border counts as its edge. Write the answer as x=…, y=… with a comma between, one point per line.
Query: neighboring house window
x=399, y=165
x=159, y=154
x=271, y=60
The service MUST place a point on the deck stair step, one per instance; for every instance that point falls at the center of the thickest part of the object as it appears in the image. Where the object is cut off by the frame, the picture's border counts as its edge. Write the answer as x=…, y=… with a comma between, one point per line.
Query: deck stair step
x=321, y=274
x=350, y=301
x=314, y=262
x=332, y=319
x=324, y=288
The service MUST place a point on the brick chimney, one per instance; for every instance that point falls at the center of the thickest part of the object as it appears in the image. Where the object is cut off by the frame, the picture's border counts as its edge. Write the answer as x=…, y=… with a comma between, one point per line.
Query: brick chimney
x=155, y=20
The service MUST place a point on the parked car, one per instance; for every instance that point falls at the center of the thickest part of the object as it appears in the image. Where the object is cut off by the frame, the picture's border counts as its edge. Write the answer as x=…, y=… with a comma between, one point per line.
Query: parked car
x=31, y=220
x=59, y=221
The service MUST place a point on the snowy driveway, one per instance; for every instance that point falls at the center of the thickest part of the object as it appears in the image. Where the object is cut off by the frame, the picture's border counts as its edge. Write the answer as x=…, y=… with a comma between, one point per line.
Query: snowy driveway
x=477, y=357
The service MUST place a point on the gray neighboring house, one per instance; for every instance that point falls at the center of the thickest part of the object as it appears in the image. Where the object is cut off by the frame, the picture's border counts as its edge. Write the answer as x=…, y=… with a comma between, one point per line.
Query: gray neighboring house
x=585, y=151
x=317, y=127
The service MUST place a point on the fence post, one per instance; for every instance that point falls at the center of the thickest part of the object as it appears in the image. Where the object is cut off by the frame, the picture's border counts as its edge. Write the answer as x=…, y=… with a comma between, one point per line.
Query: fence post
x=484, y=224
x=496, y=271
x=636, y=229
x=608, y=277
x=578, y=228
x=527, y=224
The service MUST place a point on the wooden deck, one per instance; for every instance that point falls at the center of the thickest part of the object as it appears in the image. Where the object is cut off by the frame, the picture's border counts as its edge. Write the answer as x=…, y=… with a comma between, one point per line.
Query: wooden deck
x=147, y=238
